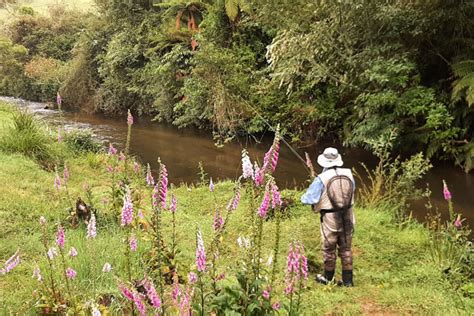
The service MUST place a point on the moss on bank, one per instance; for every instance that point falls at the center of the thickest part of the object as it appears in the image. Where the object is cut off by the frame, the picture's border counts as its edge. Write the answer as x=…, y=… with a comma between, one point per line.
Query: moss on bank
x=393, y=273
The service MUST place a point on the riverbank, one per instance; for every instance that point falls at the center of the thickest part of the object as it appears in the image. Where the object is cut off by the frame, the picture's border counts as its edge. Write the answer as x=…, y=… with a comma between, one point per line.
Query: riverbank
x=393, y=271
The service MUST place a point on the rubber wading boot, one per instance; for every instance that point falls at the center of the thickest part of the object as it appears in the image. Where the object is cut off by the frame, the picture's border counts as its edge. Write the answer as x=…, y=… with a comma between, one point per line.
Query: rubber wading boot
x=326, y=278
x=347, y=278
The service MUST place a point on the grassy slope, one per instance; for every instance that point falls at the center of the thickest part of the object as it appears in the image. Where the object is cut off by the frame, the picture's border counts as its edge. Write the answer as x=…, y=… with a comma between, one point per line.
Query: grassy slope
x=392, y=270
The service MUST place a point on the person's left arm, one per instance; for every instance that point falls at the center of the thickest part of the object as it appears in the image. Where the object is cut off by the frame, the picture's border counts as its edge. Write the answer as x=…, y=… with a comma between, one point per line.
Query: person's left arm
x=313, y=194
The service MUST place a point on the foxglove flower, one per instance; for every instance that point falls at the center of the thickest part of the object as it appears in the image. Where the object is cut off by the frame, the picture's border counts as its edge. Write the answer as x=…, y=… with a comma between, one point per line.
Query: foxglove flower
x=57, y=182
x=296, y=267
x=106, y=268
x=11, y=263
x=136, y=167
x=270, y=159
x=247, y=169
x=127, y=209
x=458, y=222
x=276, y=196
x=129, y=118
x=176, y=292
x=211, y=185
x=161, y=188
x=73, y=252
x=149, y=177
x=121, y=156
x=266, y=294
x=59, y=100
x=112, y=150
x=60, y=237
x=200, y=253
x=152, y=295
x=126, y=292
x=52, y=252
x=110, y=169
x=192, y=277
x=276, y=306
x=133, y=243
x=137, y=299
x=91, y=229
x=218, y=221
x=259, y=175
x=309, y=164
x=173, y=204
x=446, y=193
x=263, y=209
x=234, y=202
x=70, y=273
x=37, y=274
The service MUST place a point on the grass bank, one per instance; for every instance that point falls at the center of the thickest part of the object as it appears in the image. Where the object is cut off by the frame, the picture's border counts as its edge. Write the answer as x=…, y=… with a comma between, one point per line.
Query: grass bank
x=392, y=268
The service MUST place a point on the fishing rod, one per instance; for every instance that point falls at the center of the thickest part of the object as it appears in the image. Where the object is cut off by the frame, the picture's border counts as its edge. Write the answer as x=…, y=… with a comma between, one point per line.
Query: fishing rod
x=282, y=137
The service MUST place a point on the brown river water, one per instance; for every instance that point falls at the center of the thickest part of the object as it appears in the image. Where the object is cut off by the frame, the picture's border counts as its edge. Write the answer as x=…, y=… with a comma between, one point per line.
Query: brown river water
x=182, y=149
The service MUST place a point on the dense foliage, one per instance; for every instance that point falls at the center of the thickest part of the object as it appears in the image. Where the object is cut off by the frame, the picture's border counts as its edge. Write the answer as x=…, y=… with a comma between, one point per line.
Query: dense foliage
x=350, y=70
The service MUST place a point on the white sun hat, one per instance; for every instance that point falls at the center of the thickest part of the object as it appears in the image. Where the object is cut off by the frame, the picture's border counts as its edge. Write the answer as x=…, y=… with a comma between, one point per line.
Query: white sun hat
x=330, y=158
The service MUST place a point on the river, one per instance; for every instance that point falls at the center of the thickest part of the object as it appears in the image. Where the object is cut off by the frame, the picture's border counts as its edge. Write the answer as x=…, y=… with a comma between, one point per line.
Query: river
x=182, y=149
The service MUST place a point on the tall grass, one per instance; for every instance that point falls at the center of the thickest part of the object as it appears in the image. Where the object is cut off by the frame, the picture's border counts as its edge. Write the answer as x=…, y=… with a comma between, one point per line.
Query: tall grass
x=28, y=137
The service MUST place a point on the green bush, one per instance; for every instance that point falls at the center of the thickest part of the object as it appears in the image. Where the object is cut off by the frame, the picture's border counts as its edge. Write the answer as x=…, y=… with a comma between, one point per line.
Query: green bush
x=82, y=141
x=26, y=136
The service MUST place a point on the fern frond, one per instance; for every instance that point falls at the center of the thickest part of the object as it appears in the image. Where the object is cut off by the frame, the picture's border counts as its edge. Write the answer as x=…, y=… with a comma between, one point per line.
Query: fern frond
x=463, y=87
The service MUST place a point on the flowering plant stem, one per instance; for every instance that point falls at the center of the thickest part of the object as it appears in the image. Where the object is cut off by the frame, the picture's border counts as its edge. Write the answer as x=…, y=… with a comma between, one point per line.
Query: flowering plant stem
x=259, y=247
x=50, y=262
x=276, y=248
x=63, y=261
x=158, y=245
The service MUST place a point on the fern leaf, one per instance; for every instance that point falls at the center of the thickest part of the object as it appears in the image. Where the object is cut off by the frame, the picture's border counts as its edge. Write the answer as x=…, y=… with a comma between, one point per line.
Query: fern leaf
x=232, y=9
x=463, y=87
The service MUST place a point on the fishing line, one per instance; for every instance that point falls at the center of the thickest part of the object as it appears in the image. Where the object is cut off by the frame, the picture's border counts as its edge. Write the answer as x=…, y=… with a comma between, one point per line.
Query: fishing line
x=282, y=137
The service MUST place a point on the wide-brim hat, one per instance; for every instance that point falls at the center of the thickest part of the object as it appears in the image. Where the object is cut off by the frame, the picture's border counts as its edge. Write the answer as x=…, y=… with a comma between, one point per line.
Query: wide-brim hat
x=330, y=158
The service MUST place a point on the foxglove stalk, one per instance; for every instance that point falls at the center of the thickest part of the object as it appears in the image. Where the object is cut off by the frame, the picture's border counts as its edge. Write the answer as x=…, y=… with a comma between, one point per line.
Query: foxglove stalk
x=126, y=292
x=276, y=196
x=133, y=243
x=192, y=277
x=91, y=228
x=57, y=182
x=122, y=156
x=270, y=159
x=247, y=169
x=152, y=295
x=129, y=118
x=218, y=220
x=296, y=267
x=65, y=174
x=11, y=263
x=52, y=252
x=59, y=100
x=37, y=274
x=149, y=177
x=163, y=186
x=112, y=150
x=458, y=222
x=127, y=209
x=73, y=252
x=176, y=292
x=263, y=209
x=173, y=204
x=136, y=167
x=137, y=299
x=200, y=253
x=60, y=137
x=70, y=273
x=259, y=175
x=211, y=185
x=446, y=193
x=60, y=237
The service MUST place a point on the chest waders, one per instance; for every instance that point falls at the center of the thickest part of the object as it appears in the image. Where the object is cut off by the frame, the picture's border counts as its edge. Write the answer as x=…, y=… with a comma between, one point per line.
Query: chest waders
x=340, y=191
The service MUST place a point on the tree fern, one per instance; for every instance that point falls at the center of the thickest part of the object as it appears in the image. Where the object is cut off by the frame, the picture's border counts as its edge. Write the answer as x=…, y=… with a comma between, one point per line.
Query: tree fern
x=463, y=87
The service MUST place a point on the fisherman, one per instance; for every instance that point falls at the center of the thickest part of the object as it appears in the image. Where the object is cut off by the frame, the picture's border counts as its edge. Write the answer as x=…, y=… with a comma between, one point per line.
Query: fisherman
x=332, y=195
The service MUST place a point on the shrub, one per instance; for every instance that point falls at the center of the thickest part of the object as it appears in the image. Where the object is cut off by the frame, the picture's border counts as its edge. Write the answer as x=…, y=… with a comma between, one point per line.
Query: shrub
x=82, y=141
